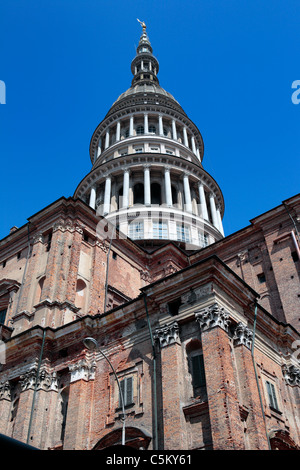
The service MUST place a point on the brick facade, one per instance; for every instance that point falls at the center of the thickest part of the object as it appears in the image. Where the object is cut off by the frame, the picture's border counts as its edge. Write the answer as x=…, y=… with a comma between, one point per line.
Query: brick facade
x=56, y=394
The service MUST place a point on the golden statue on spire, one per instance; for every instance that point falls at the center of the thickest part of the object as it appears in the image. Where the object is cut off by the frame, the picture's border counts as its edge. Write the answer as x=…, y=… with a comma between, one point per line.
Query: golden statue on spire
x=143, y=25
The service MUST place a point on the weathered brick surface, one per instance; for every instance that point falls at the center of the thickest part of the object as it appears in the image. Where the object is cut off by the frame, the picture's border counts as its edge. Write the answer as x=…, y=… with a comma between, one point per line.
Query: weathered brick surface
x=226, y=427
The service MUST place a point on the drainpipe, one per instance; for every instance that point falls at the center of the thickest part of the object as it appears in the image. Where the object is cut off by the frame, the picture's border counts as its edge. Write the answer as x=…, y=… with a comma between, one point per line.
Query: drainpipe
x=256, y=376
x=296, y=244
x=293, y=222
x=35, y=386
x=155, y=440
x=25, y=270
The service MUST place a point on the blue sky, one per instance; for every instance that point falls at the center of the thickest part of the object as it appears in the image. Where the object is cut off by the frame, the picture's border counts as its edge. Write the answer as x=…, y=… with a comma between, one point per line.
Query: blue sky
x=229, y=63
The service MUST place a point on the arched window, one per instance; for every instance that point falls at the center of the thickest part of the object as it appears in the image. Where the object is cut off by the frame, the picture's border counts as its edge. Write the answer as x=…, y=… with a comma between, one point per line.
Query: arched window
x=39, y=290
x=80, y=294
x=138, y=193
x=64, y=400
x=140, y=130
x=152, y=129
x=196, y=367
x=155, y=193
x=174, y=195
x=120, y=198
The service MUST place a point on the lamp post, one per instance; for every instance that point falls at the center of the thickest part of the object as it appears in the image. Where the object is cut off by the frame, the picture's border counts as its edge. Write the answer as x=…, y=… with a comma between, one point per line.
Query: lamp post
x=92, y=345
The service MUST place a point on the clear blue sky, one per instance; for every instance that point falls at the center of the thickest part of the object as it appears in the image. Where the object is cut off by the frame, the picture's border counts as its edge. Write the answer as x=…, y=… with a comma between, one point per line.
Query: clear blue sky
x=229, y=63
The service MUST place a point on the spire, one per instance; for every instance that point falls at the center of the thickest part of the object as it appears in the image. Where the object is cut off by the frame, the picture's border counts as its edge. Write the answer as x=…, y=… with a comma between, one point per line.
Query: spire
x=144, y=66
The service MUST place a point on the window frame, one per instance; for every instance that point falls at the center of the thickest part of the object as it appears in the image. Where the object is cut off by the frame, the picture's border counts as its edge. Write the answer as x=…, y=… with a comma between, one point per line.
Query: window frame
x=272, y=396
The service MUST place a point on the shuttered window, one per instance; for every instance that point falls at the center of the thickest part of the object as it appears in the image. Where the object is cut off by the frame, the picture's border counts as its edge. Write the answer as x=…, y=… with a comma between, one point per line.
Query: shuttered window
x=198, y=371
x=3, y=315
x=127, y=390
x=272, y=395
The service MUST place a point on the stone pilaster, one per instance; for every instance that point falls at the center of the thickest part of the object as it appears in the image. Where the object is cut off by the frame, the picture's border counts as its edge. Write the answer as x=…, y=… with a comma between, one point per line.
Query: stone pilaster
x=249, y=396
x=80, y=404
x=226, y=427
x=171, y=385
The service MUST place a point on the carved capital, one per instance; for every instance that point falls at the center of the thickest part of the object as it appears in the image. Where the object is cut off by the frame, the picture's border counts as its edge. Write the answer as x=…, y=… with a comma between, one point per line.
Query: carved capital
x=38, y=237
x=5, y=391
x=168, y=334
x=242, y=335
x=213, y=316
x=243, y=257
x=46, y=380
x=28, y=379
x=83, y=370
x=292, y=375
x=102, y=244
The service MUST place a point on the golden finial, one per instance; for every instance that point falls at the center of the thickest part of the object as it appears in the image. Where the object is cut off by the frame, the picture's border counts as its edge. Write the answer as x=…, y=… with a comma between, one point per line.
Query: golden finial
x=143, y=25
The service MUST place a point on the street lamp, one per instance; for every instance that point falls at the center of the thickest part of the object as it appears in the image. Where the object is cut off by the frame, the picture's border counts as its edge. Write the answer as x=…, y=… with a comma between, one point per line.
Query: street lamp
x=92, y=345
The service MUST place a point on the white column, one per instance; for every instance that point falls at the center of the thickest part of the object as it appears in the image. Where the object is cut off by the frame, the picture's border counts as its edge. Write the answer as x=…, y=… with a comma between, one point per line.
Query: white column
x=203, y=202
x=160, y=125
x=198, y=153
x=118, y=132
x=168, y=188
x=93, y=197
x=147, y=186
x=187, y=193
x=107, y=193
x=213, y=210
x=99, y=148
x=174, y=130
x=131, y=126
x=194, y=146
x=220, y=221
x=107, y=139
x=185, y=137
x=146, y=128
x=125, y=188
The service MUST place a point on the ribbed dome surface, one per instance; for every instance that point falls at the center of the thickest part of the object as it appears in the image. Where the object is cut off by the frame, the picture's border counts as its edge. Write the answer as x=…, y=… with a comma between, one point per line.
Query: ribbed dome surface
x=145, y=88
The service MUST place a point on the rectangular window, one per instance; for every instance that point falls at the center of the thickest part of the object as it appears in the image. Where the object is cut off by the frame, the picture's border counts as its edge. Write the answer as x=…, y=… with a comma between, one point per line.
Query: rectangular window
x=183, y=234
x=272, y=396
x=126, y=386
x=136, y=230
x=261, y=278
x=139, y=150
x=3, y=315
x=159, y=229
x=198, y=371
x=123, y=152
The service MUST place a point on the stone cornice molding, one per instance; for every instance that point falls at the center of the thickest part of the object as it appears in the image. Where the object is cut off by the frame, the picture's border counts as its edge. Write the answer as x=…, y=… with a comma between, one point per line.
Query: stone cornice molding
x=213, y=316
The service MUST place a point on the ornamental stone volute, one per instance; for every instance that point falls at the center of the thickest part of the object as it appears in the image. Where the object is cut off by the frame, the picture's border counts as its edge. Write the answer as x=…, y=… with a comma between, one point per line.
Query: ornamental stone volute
x=213, y=316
